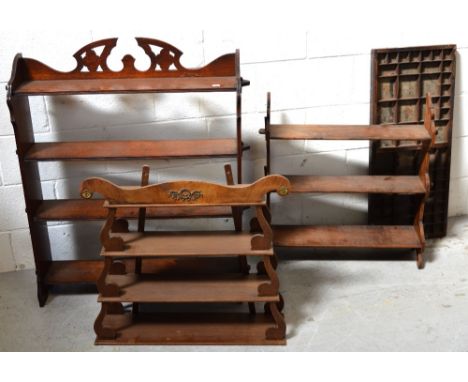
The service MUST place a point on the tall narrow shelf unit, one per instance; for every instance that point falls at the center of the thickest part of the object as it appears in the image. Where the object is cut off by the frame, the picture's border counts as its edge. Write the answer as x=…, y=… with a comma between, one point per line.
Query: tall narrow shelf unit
x=168, y=308
x=357, y=236
x=92, y=76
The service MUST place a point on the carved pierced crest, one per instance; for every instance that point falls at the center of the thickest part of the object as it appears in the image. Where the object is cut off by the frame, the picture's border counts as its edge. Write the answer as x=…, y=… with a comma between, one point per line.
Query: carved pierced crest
x=92, y=62
x=93, y=57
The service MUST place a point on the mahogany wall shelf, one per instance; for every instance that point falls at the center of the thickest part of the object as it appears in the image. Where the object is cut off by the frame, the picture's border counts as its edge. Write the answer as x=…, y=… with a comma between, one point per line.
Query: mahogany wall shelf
x=182, y=290
x=410, y=236
x=400, y=79
x=108, y=150
x=92, y=76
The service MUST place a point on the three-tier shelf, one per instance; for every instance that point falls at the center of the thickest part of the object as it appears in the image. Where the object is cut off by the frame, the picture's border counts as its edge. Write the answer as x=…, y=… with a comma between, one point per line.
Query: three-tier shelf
x=410, y=236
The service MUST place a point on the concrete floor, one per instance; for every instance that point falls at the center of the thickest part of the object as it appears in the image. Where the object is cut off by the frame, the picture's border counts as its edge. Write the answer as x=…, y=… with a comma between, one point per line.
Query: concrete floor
x=340, y=305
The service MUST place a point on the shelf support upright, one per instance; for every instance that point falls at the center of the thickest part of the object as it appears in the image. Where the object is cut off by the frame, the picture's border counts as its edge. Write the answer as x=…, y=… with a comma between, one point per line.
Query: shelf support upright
x=238, y=117
x=424, y=176
x=20, y=117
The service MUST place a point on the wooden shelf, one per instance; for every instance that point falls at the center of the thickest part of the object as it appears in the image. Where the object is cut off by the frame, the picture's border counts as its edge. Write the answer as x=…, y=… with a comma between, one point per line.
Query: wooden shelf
x=405, y=185
x=350, y=132
x=189, y=243
x=92, y=209
x=105, y=150
x=74, y=272
x=128, y=85
x=202, y=288
x=88, y=271
x=346, y=236
x=408, y=146
x=203, y=329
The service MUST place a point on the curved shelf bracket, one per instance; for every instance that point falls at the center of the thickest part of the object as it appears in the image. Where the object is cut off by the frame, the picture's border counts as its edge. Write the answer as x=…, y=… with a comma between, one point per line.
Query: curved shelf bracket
x=105, y=289
x=110, y=243
x=107, y=308
x=263, y=240
x=270, y=288
x=120, y=226
x=278, y=332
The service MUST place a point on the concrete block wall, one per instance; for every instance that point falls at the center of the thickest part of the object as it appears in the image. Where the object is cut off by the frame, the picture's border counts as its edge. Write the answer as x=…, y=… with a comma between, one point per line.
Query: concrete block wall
x=314, y=77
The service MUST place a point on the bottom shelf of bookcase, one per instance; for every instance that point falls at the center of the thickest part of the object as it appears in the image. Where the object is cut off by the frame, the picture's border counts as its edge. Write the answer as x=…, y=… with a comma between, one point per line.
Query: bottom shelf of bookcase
x=189, y=329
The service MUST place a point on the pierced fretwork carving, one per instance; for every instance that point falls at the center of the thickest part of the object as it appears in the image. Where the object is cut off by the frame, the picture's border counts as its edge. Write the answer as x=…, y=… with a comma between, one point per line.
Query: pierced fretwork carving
x=87, y=57
x=168, y=56
x=167, y=59
x=92, y=62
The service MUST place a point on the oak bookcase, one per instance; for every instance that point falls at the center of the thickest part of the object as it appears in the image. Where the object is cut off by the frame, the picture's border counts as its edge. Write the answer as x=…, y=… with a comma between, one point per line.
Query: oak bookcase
x=92, y=76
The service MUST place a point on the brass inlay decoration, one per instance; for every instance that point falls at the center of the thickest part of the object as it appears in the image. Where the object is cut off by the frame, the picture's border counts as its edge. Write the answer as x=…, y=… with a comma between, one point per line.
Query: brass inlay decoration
x=86, y=194
x=185, y=195
x=283, y=191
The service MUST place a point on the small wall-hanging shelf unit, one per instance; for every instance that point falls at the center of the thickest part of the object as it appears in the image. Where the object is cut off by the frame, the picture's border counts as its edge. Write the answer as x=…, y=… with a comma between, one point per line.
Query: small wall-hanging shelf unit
x=401, y=77
x=175, y=305
x=92, y=76
x=409, y=236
